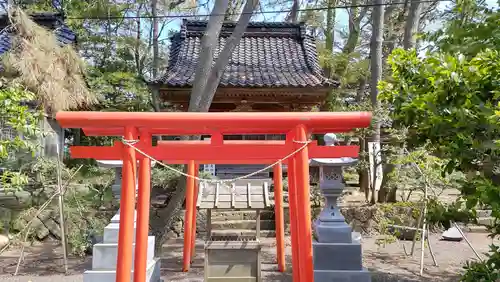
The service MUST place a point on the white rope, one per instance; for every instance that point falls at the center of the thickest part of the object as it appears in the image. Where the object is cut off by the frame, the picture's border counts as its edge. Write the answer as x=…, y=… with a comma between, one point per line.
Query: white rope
x=131, y=144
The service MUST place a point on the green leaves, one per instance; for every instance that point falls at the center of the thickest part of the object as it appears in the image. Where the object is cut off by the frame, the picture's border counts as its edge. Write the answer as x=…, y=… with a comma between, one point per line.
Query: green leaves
x=449, y=100
x=20, y=129
x=484, y=271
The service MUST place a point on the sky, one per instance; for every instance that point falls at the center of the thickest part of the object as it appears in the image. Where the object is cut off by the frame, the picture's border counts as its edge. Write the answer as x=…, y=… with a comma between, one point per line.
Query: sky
x=342, y=18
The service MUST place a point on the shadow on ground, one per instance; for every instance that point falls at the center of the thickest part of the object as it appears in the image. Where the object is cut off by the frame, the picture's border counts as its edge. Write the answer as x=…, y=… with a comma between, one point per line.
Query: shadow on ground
x=407, y=269
x=43, y=260
x=376, y=277
x=171, y=270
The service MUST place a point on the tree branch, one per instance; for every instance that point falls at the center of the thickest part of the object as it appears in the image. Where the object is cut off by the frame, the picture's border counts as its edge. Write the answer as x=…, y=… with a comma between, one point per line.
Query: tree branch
x=411, y=26
x=225, y=54
x=208, y=47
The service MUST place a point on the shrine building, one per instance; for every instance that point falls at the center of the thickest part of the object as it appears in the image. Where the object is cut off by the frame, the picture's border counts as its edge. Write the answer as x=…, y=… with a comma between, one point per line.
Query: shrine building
x=274, y=68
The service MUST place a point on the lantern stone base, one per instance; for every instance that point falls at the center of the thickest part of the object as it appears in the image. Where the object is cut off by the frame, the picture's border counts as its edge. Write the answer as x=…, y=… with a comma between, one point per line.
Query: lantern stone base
x=104, y=256
x=339, y=261
x=334, y=232
x=342, y=276
x=347, y=256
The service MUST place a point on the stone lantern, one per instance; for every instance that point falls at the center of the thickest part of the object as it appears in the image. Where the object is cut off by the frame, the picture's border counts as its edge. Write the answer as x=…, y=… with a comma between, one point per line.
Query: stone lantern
x=337, y=250
x=104, y=255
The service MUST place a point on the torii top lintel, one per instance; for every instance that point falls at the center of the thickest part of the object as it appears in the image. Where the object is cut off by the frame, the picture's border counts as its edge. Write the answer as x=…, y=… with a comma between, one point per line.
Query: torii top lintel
x=200, y=123
x=217, y=150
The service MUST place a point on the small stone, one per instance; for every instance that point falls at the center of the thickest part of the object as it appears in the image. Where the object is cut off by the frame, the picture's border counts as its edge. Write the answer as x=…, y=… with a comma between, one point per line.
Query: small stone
x=4, y=240
x=452, y=234
x=54, y=228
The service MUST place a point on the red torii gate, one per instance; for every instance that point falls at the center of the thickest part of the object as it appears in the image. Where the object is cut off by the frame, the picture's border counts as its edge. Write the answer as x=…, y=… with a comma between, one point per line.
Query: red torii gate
x=141, y=126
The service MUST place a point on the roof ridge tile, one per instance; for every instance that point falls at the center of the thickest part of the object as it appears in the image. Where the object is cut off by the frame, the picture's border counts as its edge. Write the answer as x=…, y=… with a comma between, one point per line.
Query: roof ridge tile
x=273, y=54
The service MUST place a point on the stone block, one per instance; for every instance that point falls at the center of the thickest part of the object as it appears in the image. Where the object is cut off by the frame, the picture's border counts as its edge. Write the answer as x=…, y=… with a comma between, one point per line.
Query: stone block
x=337, y=256
x=116, y=217
x=333, y=232
x=104, y=256
x=356, y=237
x=342, y=276
x=53, y=227
x=111, y=232
x=152, y=273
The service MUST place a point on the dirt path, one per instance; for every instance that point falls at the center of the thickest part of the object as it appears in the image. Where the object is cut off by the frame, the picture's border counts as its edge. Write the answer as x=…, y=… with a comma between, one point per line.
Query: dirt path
x=44, y=264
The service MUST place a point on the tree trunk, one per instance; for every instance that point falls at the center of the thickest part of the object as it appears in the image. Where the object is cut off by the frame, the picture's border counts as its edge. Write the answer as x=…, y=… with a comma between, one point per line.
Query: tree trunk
x=412, y=24
x=233, y=9
x=392, y=196
x=137, y=45
x=364, y=178
x=330, y=33
x=54, y=140
x=207, y=79
x=208, y=47
x=294, y=12
x=155, y=95
x=225, y=55
x=409, y=42
x=376, y=75
x=355, y=18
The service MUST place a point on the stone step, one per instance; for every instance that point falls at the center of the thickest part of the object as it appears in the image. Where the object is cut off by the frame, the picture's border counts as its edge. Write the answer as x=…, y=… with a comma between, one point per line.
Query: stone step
x=483, y=213
x=116, y=217
x=240, y=215
x=487, y=221
x=104, y=255
x=243, y=232
x=111, y=233
x=98, y=275
x=472, y=228
x=266, y=224
x=253, y=182
x=177, y=244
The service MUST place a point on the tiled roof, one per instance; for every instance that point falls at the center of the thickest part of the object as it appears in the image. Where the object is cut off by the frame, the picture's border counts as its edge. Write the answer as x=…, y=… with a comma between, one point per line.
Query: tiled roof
x=52, y=21
x=268, y=55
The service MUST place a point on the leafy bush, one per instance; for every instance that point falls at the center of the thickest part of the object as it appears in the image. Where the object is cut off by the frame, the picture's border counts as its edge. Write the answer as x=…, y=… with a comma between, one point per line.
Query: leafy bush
x=440, y=214
x=85, y=222
x=486, y=271
x=163, y=178
x=23, y=122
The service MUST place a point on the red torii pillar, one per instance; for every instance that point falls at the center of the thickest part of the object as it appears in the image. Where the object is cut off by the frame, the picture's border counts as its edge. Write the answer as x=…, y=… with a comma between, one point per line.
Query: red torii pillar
x=292, y=209
x=189, y=217
x=143, y=205
x=193, y=220
x=279, y=219
x=297, y=125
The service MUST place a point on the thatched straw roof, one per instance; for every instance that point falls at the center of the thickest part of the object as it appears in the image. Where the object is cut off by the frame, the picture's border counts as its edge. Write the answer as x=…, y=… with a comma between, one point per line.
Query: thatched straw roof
x=37, y=60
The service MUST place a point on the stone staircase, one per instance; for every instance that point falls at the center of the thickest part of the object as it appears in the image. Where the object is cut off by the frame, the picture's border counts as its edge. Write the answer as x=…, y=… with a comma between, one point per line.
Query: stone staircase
x=242, y=222
x=227, y=223
x=104, y=256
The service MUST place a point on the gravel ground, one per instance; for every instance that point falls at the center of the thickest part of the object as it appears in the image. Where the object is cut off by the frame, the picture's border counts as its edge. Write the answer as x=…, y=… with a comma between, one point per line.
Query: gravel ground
x=388, y=263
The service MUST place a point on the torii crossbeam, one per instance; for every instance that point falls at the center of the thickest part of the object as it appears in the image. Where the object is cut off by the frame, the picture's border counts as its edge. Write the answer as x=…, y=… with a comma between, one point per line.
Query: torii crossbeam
x=141, y=126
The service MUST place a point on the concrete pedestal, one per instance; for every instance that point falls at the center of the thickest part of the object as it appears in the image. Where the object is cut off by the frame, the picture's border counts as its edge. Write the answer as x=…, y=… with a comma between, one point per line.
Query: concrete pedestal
x=104, y=255
x=339, y=262
x=337, y=254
